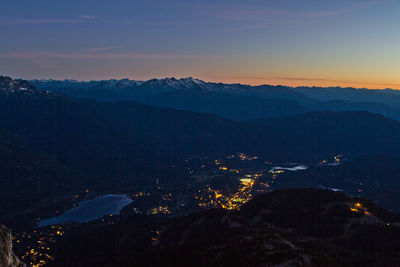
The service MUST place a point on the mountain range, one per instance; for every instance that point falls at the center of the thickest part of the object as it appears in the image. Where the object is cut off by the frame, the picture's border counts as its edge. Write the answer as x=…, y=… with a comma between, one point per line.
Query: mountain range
x=89, y=143
x=232, y=101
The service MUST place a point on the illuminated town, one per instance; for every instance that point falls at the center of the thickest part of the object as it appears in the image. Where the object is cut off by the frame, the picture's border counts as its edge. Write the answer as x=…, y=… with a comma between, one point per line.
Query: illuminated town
x=226, y=183
x=38, y=245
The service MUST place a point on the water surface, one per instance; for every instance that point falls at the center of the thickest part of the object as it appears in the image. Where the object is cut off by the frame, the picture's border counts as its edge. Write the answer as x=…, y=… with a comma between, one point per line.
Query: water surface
x=90, y=210
x=294, y=169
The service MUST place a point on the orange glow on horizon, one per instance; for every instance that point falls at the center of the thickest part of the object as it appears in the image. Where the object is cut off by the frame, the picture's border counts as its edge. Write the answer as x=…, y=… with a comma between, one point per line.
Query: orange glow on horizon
x=298, y=82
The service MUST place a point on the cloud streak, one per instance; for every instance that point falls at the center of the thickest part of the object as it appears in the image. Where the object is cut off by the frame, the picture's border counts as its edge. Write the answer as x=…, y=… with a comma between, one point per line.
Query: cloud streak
x=252, y=12
x=92, y=54
x=88, y=17
x=257, y=17
x=13, y=21
x=344, y=10
x=102, y=49
x=16, y=21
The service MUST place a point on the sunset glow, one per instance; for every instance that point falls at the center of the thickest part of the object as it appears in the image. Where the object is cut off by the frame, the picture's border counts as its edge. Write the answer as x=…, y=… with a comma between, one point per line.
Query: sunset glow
x=315, y=43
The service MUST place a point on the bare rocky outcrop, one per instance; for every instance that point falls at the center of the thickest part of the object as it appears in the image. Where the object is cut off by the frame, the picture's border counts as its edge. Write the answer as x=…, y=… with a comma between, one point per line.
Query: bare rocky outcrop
x=7, y=257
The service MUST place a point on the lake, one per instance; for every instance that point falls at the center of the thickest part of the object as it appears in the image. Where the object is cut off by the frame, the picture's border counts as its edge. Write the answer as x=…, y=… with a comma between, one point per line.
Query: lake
x=90, y=210
x=297, y=168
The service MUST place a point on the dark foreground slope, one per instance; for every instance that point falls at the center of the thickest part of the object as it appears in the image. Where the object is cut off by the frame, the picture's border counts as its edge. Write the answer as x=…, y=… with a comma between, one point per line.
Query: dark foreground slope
x=7, y=257
x=286, y=228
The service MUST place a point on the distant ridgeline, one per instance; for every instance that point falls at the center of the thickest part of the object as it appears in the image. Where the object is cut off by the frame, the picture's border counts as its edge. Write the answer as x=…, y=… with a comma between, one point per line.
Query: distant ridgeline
x=233, y=101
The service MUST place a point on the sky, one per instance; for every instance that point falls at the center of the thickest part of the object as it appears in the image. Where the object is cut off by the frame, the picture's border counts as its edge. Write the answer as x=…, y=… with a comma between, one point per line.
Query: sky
x=291, y=42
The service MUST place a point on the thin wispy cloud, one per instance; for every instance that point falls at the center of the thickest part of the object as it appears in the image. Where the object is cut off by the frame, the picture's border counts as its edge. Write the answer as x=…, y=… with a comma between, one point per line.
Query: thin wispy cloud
x=257, y=17
x=93, y=55
x=344, y=10
x=103, y=49
x=265, y=24
x=12, y=21
x=16, y=21
x=88, y=17
x=257, y=13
